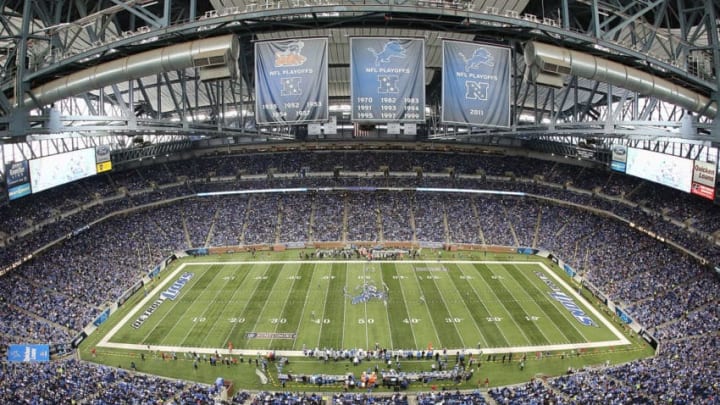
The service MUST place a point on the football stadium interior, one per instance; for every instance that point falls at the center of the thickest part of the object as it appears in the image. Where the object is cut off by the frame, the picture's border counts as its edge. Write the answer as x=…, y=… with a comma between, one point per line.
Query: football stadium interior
x=359, y=201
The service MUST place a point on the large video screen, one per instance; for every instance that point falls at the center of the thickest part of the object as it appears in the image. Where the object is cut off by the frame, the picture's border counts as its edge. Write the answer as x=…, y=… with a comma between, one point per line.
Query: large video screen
x=669, y=170
x=51, y=171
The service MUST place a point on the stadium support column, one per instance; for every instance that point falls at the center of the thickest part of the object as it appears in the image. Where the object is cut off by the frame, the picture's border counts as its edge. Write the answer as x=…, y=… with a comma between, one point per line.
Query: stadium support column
x=565, y=13
x=166, y=13
x=18, y=115
x=711, y=11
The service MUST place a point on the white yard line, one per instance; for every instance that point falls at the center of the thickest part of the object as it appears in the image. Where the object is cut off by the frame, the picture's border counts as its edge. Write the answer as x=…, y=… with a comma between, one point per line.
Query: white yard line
x=622, y=340
x=140, y=305
x=105, y=341
x=222, y=314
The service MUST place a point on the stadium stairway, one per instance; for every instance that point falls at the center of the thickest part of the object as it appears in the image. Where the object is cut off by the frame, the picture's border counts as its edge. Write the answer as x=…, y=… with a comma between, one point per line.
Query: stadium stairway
x=412, y=217
x=473, y=206
x=633, y=191
x=186, y=232
x=557, y=392
x=538, y=223
x=508, y=217
x=379, y=223
x=311, y=222
x=345, y=218
x=41, y=319
x=278, y=224
x=208, y=239
x=248, y=210
x=676, y=320
x=446, y=227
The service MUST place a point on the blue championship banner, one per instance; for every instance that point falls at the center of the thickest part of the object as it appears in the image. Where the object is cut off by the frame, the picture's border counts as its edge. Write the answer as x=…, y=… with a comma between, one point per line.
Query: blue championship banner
x=291, y=81
x=475, y=84
x=387, y=81
x=28, y=353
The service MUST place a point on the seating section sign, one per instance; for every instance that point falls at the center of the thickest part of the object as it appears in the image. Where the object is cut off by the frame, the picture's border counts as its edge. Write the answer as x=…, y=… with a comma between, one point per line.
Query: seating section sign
x=291, y=81
x=387, y=79
x=475, y=84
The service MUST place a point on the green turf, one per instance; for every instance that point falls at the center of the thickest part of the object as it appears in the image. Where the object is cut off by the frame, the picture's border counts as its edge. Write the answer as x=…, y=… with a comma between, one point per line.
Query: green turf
x=471, y=305
x=449, y=305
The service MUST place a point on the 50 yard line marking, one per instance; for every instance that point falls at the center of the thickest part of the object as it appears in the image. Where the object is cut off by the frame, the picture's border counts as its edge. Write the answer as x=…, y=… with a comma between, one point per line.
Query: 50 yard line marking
x=104, y=342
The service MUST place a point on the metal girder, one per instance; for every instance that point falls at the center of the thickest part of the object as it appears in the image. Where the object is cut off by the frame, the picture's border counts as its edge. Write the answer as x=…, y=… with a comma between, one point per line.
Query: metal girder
x=141, y=13
x=151, y=151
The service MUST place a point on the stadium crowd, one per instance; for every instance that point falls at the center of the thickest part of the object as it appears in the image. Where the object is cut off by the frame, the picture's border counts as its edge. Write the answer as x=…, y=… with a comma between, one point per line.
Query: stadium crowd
x=51, y=297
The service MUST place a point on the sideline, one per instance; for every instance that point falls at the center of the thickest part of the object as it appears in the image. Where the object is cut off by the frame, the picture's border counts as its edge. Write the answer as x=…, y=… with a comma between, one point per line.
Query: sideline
x=105, y=341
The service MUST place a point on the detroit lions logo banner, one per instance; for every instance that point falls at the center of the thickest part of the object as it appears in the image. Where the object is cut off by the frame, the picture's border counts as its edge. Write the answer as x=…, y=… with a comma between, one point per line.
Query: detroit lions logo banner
x=387, y=79
x=291, y=81
x=475, y=84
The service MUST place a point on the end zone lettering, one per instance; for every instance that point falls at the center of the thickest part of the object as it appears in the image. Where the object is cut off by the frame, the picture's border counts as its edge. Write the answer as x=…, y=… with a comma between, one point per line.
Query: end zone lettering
x=171, y=293
x=145, y=315
x=566, y=301
x=174, y=290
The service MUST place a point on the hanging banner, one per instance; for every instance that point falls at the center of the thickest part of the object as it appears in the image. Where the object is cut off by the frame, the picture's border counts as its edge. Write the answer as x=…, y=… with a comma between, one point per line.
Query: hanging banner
x=291, y=81
x=17, y=177
x=28, y=353
x=619, y=158
x=387, y=79
x=475, y=84
x=703, y=180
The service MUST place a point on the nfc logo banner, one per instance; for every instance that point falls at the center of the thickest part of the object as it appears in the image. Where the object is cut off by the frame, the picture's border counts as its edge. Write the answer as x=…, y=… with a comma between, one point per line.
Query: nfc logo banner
x=476, y=84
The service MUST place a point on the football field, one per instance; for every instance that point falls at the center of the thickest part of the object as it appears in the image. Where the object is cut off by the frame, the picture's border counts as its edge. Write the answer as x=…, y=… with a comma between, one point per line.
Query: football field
x=494, y=306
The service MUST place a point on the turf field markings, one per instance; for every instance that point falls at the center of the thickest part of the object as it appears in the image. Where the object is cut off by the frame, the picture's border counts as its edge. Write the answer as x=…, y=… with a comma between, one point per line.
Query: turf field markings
x=567, y=320
x=472, y=313
x=266, y=300
x=487, y=312
x=345, y=307
x=188, y=287
x=423, y=302
x=221, y=318
x=335, y=306
x=140, y=306
x=365, y=280
x=301, y=278
x=447, y=307
x=205, y=310
x=622, y=340
x=506, y=311
x=315, y=273
x=324, y=308
x=242, y=311
x=396, y=283
x=520, y=305
x=458, y=303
